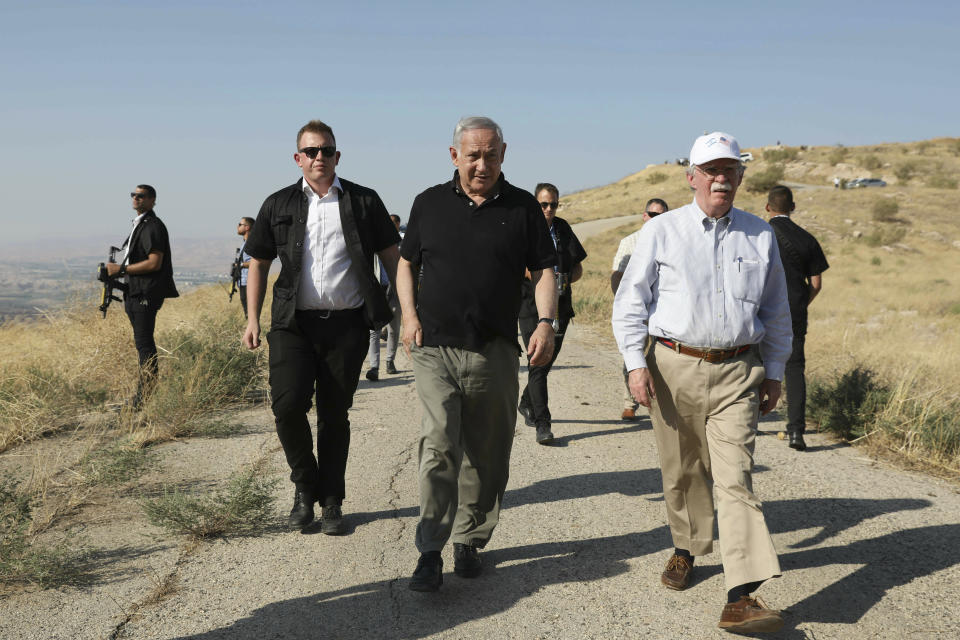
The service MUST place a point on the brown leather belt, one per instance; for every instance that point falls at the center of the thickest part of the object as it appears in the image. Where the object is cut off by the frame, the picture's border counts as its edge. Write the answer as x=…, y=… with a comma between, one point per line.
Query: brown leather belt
x=713, y=355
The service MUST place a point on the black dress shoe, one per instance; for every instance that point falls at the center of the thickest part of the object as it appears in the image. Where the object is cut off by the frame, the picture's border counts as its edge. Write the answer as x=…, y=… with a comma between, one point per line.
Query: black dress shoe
x=302, y=513
x=428, y=575
x=796, y=441
x=392, y=370
x=372, y=375
x=466, y=560
x=527, y=413
x=331, y=520
x=544, y=435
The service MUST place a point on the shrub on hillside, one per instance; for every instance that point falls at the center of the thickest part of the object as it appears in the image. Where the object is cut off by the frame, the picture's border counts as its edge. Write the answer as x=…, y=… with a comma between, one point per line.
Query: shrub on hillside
x=849, y=404
x=656, y=177
x=885, y=210
x=941, y=181
x=763, y=181
x=871, y=162
x=785, y=154
x=837, y=156
x=885, y=236
x=905, y=171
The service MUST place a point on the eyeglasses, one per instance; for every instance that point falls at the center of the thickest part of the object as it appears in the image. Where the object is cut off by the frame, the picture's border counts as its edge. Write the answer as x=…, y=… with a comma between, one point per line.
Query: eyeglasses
x=311, y=152
x=138, y=196
x=549, y=205
x=713, y=172
x=653, y=214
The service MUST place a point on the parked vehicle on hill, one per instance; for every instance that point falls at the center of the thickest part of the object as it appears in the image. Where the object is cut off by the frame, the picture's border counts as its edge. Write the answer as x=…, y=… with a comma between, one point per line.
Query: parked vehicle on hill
x=746, y=156
x=859, y=183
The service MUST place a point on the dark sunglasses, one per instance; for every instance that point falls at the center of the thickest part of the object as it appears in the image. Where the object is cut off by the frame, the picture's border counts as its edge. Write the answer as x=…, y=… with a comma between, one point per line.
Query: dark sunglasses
x=652, y=214
x=138, y=196
x=311, y=152
x=549, y=205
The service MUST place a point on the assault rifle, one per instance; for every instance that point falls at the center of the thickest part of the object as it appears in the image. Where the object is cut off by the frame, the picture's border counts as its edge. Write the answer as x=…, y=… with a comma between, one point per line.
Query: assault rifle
x=235, y=273
x=109, y=284
x=563, y=284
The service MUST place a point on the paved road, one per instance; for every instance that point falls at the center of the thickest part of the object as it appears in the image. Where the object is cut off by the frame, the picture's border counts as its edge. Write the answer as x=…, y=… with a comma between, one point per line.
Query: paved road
x=867, y=551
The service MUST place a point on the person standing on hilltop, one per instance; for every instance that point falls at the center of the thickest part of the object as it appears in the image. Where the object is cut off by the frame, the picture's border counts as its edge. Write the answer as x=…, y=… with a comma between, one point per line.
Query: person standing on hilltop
x=570, y=254
x=243, y=229
x=654, y=207
x=702, y=320
x=326, y=299
x=803, y=264
x=474, y=236
x=148, y=268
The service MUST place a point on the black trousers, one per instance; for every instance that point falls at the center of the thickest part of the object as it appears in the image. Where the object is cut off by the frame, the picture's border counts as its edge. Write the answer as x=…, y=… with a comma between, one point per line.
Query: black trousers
x=535, y=393
x=796, y=384
x=323, y=358
x=242, y=289
x=142, y=313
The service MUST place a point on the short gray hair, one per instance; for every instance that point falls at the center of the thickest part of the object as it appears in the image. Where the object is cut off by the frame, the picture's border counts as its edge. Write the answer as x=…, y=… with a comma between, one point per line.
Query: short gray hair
x=475, y=122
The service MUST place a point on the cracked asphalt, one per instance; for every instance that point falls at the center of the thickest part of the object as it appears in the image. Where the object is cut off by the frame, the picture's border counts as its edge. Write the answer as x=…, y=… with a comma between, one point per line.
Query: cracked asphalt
x=868, y=551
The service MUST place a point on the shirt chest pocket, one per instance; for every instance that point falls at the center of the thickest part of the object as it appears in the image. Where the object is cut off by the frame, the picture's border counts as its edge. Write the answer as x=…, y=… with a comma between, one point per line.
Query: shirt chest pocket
x=281, y=229
x=745, y=277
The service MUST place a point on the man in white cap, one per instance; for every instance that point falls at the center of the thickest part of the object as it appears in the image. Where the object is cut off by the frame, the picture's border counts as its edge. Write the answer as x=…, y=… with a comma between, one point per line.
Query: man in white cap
x=702, y=320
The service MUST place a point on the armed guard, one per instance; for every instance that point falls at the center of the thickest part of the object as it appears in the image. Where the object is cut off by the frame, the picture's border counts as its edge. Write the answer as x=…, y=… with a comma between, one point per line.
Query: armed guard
x=145, y=275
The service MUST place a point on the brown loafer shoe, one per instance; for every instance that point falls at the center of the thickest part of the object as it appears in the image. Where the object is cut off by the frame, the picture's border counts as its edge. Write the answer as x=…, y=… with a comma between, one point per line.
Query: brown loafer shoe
x=628, y=415
x=677, y=574
x=750, y=615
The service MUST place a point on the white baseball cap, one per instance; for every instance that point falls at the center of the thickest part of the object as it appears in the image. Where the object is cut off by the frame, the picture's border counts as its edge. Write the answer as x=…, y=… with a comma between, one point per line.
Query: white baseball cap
x=713, y=146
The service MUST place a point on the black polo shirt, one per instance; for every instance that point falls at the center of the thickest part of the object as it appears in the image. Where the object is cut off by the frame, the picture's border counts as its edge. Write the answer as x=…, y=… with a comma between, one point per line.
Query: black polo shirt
x=473, y=260
x=802, y=257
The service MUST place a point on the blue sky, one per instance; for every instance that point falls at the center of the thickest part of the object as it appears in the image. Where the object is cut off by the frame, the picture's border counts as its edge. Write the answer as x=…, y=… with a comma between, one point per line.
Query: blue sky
x=203, y=99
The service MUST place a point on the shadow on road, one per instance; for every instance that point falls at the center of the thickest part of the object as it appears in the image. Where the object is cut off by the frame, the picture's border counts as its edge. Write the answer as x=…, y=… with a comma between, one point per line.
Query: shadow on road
x=387, y=609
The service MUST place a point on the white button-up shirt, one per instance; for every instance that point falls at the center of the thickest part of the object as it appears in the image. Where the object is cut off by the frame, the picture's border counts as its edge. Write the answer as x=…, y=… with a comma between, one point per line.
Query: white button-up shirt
x=327, y=279
x=705, y=283
x=126, y=245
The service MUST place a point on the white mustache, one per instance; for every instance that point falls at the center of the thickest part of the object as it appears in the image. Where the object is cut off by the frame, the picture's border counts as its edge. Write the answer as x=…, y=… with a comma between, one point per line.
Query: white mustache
x=721, y=186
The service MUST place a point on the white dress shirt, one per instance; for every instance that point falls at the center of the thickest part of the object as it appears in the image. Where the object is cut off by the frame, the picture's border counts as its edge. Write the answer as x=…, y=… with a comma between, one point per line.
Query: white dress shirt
x=327, y=279
x=126, y=245
x=705, y=283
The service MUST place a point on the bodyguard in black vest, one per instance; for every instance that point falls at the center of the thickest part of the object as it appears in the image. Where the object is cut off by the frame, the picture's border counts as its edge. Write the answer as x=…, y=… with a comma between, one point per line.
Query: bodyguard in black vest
x=148, y=268
x=325, y=301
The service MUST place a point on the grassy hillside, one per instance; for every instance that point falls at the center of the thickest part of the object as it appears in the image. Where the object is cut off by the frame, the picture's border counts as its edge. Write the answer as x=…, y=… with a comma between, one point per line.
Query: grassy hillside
x=891, y=298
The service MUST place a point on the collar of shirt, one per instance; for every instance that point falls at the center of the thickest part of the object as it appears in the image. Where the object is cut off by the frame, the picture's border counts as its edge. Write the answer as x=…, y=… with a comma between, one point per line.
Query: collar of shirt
x=708, y=223
x=310, y=193
x=497, y=189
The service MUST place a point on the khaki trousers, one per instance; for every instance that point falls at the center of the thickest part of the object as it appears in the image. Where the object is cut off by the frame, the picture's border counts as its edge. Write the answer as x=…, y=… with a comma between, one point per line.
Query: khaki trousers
x=469, y=401
x=705, y=419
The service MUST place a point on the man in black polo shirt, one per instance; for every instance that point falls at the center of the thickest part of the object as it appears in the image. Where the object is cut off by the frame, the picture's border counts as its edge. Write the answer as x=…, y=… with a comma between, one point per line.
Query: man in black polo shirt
x=474, y=236
x=325, y=301
x=570, y=253
x=803, y=262
x=148, y=268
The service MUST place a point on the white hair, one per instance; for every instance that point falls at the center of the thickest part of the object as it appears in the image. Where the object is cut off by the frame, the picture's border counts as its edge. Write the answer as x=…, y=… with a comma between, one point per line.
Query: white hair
x=470, y=123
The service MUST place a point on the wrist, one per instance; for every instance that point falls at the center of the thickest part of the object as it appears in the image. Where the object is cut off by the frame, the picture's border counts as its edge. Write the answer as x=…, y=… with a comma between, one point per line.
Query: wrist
x=546, y=320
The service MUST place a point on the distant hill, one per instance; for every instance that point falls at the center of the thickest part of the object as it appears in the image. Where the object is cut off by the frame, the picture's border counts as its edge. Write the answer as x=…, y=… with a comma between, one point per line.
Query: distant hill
x=921, y=178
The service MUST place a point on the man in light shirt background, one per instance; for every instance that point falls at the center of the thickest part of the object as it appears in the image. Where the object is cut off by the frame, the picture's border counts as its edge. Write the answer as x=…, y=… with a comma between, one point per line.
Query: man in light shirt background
x=326, y=232
x=702, y=320
x=653, y=208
